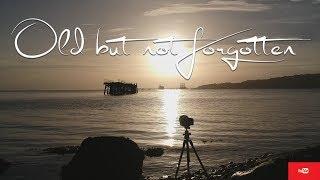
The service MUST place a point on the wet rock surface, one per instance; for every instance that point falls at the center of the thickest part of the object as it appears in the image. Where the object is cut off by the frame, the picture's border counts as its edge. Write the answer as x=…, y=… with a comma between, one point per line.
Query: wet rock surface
x=105, y=158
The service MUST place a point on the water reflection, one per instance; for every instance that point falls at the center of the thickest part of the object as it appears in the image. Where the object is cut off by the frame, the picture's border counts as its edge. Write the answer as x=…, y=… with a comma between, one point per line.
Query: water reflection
x=170, y=108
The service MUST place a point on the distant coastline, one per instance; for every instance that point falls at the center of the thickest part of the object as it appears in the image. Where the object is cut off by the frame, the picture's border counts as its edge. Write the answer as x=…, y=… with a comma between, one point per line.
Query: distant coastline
x=303, y=81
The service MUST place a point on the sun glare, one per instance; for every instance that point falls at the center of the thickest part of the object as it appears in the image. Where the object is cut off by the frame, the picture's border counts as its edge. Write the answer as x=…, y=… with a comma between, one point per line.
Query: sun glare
x=164, y=65
x=170, y=108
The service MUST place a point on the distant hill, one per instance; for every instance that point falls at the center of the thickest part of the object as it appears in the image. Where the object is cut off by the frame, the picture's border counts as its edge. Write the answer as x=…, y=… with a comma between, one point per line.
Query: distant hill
x=304, y=81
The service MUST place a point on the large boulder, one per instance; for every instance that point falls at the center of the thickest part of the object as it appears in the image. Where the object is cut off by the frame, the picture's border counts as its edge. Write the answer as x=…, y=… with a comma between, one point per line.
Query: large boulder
x=114, y=158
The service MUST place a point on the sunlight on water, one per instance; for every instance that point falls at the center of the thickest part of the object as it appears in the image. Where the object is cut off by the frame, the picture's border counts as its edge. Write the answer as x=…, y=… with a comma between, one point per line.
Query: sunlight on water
x=231, y=125
x=170, y=108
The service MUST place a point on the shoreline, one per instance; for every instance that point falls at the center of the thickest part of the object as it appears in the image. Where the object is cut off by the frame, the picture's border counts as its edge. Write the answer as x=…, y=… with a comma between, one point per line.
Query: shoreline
x=264, y=167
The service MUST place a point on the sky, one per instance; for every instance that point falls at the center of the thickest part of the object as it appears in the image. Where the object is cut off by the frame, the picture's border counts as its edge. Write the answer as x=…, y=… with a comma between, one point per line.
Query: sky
x=151, y=19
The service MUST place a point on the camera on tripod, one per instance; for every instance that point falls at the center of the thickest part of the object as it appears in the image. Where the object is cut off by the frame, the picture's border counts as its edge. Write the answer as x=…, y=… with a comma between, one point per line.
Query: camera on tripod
x=185, y=121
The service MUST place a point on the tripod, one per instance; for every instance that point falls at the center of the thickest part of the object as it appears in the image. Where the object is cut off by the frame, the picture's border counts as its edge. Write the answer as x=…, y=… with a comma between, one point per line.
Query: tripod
x=186, y=143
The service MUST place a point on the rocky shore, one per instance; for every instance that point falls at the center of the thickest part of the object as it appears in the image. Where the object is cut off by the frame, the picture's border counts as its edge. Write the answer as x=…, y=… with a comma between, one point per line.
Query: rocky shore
x=121, y=157
x=264, y=167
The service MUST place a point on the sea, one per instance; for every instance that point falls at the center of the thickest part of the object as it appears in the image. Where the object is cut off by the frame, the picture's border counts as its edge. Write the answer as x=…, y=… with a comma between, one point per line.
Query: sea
x=229, y=125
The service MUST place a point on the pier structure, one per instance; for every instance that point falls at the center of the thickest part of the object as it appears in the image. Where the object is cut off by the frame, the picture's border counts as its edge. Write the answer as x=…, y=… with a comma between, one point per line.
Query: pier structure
x=183, y=86
x=117, y=88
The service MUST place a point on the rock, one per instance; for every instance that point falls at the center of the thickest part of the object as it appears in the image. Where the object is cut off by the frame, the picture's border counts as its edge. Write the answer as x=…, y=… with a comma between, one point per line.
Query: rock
x=105, y=158
x=265, y=171
x=4, y=165
x=154, y=152
x=267, y=167
x=241, y=166
x=62, y=150
x=277, y=167
x=251, y=162
x=266, y=155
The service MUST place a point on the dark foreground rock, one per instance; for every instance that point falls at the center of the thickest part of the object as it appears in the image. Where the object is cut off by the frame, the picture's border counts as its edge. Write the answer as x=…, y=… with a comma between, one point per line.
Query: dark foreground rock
x=4, y=165
x=105, y=158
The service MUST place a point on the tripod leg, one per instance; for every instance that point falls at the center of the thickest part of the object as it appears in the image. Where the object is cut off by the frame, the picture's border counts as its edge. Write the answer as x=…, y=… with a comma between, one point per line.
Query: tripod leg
x=182, y=149
x=188, y=161
x=195, y=152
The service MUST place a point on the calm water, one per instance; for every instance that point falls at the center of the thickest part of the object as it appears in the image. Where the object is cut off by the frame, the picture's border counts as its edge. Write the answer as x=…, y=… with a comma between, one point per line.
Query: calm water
x=237, y=124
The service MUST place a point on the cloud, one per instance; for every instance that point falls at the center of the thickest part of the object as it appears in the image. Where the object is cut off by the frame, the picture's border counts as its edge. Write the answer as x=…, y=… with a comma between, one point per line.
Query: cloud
x=309, y=19
x=216, y=5
x=306, y=1
x=88, y=24
x=117, y=30
x=316, y=2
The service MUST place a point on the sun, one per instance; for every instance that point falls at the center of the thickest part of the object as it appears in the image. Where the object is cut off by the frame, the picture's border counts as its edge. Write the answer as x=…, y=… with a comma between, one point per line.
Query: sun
x=164, y=65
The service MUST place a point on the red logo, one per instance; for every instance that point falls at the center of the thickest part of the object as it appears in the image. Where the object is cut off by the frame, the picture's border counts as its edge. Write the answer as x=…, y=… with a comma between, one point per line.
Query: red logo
x=303, y=170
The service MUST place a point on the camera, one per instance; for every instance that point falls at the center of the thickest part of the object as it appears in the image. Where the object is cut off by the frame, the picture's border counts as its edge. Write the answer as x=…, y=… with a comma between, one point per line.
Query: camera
x=185, y=121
